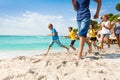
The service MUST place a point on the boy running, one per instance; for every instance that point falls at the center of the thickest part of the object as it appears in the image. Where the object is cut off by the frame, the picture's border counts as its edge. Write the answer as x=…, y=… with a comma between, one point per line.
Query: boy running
x=72, y=36
x=55, y=38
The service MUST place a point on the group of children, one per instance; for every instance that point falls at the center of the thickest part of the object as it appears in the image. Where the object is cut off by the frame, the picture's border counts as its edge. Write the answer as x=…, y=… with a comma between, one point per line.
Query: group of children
x=55, y=38
x=94, y=36
x=104, y=33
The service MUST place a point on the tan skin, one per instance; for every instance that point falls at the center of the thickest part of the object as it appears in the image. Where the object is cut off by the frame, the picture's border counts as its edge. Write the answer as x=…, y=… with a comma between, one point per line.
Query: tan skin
x=82, y=38
x=104, y=18
x=72, y=46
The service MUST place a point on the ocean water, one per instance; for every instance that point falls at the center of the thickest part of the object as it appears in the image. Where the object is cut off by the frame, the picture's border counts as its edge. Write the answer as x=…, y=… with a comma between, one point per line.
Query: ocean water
x=30, y=43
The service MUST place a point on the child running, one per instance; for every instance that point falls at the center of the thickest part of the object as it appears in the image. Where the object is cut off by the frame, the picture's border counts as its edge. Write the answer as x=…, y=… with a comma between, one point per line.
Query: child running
x=117, y=32
x=72, y=36
x=55, y=38
x=93, y=36
x=106, y=26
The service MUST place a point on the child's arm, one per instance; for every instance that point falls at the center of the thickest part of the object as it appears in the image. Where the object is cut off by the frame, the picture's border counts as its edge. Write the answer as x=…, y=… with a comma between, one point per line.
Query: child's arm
x=99, y=3
x=108, y=26
x=50, y=34
x=67, y=36
x=53, y=34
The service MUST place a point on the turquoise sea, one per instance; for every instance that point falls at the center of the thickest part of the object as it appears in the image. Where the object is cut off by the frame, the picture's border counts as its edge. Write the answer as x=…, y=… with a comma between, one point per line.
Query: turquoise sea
x=30, y=42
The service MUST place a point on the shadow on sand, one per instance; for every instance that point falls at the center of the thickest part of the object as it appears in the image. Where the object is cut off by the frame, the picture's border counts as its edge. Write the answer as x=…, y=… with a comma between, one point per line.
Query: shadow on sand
x=98, y=56
x=111, y=56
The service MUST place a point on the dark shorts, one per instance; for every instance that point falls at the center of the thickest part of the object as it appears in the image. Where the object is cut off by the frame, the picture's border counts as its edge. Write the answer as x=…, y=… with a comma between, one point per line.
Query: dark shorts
x=72, y=42
x=93, y=38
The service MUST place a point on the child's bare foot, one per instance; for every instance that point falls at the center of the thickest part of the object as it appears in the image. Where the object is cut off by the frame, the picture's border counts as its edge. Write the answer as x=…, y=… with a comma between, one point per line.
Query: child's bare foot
x=79, y=55
x=102, y=50
x=78, y=58
x=67, y=50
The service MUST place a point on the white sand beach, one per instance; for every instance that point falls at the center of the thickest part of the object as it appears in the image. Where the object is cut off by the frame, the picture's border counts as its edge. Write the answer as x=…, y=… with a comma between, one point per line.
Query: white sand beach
x=61, y=66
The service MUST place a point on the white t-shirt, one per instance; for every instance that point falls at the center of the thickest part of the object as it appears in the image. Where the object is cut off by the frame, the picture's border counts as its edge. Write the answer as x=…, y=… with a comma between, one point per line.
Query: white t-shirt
x=105, y=30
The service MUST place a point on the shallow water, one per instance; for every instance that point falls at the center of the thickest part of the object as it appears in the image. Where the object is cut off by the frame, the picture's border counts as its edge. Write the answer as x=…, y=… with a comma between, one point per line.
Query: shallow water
x=30, y=42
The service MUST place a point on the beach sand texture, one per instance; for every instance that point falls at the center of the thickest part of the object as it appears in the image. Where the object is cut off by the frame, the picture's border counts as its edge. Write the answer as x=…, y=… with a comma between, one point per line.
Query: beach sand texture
x=61, y=66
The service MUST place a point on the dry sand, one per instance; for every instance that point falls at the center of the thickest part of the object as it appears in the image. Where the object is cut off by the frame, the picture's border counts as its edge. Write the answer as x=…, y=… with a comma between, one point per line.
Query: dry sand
x=61, y=66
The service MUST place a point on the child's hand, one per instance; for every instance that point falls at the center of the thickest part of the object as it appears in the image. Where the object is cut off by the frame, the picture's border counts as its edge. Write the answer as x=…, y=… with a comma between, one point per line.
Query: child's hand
x=49, y=34
x=103, y=24
x=96, y=16
x=66, y=36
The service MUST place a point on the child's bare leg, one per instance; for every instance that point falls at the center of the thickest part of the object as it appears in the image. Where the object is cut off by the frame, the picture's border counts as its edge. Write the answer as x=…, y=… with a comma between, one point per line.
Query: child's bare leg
x=66, y=48
x=89, y=45
x=72, y=47
x=82, y=41
x=94, y=43
x=48, y=50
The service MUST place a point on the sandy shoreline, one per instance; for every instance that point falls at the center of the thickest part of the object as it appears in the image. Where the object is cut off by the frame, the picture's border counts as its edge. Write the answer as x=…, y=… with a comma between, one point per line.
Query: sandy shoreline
x=4, y=54
x=60, y=66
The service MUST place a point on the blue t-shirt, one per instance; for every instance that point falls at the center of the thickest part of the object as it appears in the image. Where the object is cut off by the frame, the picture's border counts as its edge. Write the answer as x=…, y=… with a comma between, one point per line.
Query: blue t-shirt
x=56, y=36
x=83, y=9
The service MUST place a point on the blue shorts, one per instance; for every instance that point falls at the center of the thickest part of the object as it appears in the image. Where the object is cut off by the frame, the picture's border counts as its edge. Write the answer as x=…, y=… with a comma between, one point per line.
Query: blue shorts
x=83, y=26
x=106, y=35
x=56, y=41
x=117, y=32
